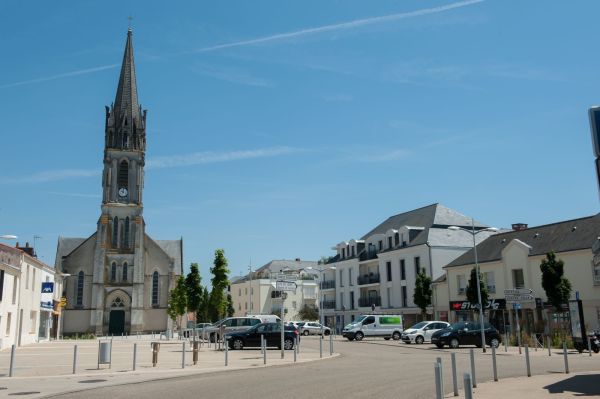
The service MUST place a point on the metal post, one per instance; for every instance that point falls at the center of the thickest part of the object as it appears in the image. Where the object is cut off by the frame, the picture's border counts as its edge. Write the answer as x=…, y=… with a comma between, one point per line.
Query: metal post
x=183, y=355
x=282, y=329
x=566, y=357
x=518, y=330
x=481, y=309
x=134, y=355
x=438, y=378
x=467, y=386
x=264, y=345
x=331, y=345
x=226, y=344
x=295, y=348
x=527, y=360
x=549, y=346
x=473, y=376
x=505, y=341
x=494, y=366
x=195, y=352
x=441, y=370
x=320, y=347
x=454, y=379
x=589, y=346
x=74, y=359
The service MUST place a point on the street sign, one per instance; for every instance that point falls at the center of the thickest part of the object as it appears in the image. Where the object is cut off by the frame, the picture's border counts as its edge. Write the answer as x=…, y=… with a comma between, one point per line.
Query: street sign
x=519, y=298
x=288, y=276
x=285, y=286
x=518, y=291
x=47, y=287
x=516, y=306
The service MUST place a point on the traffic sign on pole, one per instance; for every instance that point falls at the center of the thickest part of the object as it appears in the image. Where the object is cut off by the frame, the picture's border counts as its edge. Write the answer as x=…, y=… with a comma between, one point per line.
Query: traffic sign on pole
x=285, y=286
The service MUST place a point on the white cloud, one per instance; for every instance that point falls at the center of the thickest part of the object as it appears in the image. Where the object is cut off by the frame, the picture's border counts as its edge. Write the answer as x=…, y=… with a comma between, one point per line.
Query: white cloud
x=59, y=76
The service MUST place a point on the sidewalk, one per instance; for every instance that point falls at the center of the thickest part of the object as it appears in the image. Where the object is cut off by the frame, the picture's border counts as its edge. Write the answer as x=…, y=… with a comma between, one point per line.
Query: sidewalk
x=539, y=387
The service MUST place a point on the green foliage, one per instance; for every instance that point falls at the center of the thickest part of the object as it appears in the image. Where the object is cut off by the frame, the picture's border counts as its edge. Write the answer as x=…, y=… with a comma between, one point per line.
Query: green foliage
x=423, y=292
x=193, y=288
x=217, y=308
x=202, y=313
x=230, y=309
x=308, y=313
x=177, y=303
x=556, y=285
x=472, y=290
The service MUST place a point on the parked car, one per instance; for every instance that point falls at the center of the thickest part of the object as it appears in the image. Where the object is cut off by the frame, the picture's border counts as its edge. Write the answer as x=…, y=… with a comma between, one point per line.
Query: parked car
x=466, y=333
x=313, y=328
x=423, y=331
x=189, y=332
x=229, y=325
x=271, y=332
x=266, y=318
x=387, y=326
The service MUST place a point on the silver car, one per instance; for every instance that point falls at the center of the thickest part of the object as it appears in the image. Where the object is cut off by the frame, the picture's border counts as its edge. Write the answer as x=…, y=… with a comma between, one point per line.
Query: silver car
x=227, y=325
x=313, y=328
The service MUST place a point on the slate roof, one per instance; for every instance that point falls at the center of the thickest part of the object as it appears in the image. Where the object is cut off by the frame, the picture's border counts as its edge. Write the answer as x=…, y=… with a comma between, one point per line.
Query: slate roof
x=65, y=246
x=173, y=248
x=126, y=100
x=284, y=264
x=570, y=235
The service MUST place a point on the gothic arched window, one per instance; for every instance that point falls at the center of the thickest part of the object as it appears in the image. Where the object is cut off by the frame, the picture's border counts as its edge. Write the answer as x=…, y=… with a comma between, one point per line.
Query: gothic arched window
x=125, y=271
x=79, y=293
x=117, y=303
x=155, y=289
x=113, y=272
x=125, y=140
x=126, y=233
x=115, y=232
x=123, y=177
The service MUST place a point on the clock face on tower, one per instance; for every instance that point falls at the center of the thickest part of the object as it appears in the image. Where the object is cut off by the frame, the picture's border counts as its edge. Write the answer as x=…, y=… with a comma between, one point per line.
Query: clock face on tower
x=122, y=192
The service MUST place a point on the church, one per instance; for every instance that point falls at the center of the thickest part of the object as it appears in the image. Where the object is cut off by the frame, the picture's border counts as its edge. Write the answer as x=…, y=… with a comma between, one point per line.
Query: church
x=119, y=278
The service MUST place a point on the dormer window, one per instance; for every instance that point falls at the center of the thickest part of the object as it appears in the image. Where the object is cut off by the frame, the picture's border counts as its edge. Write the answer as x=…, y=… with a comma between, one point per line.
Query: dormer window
x=380, y=245
x=343, y=253
x=353, y=250
x=390, y=242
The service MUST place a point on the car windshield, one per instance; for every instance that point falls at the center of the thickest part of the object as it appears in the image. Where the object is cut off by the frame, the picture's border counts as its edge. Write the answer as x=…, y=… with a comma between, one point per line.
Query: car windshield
x=420, y=325
x=459, y=326
x=359, y=319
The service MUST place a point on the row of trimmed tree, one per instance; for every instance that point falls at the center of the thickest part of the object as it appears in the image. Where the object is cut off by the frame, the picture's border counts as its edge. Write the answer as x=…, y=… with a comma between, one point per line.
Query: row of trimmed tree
x=189, y=296
x=555, y=284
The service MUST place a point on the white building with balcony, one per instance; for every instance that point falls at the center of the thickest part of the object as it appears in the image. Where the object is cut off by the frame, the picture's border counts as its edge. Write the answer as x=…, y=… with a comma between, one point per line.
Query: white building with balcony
x=377, y=272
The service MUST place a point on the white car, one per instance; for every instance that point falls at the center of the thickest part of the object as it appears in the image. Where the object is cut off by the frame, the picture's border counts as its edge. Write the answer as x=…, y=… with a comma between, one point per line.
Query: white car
x=313, y=328
x=422, y=331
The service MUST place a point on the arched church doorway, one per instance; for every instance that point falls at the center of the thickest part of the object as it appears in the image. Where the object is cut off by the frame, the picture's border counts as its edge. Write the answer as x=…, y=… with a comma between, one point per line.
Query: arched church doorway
x=118, y=309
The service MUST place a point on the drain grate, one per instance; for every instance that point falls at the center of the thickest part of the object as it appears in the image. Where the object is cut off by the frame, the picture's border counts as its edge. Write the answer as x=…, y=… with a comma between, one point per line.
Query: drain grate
x=91, y=381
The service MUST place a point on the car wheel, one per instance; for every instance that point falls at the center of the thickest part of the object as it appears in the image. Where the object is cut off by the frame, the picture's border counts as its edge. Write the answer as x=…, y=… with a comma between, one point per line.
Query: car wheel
x=396, y=336
x=288, y=344
x=305, y=332
x=440, y=346
x=350, y=338
x=326, y=332
x=419, y=340
x=494, y=343
x=359, y=336
x=386, y=338
x=238, y=344
x=454, y=343
x=596, y=349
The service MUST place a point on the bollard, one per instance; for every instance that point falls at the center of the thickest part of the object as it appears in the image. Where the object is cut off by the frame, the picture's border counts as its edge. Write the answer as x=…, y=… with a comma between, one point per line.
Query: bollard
x=11, y=371
x=505, y=341
x=441, y=370
x=589, y=346
x=74, y=359
x=566, y=358
x=195, y=352
x=264, y=349
x=473, y=376
x=183, y=355
x=454, y=379
x=295, y=348
x=321, y=347
x=467, y=386
x=549, y=346
x=299, y=342
x=226, y=345
x=155, y=349
x=438, y=380
x=134, y=355
x=527, y=360
x=331, y=345
x=262, y=345
x=494, y=366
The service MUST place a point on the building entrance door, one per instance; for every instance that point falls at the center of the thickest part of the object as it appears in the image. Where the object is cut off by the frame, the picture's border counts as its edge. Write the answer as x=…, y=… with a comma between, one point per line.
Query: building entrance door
x=116, y=322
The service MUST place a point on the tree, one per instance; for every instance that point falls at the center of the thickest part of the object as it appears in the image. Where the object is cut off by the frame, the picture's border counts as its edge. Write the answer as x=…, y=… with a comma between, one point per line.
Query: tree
x=472, y=291
x=218, y=302
x=193, y=291
x=230, y=308
x=177, y=304
x=308, y=313
x=556, y=285
x=202, y=313
x=423, y=292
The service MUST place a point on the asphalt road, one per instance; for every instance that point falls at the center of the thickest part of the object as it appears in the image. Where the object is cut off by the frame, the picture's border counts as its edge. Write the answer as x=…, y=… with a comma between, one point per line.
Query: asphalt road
x=369, y=369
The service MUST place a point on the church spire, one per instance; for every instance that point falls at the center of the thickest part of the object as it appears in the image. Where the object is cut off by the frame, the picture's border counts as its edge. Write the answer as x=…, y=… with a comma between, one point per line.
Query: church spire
x=126, y=101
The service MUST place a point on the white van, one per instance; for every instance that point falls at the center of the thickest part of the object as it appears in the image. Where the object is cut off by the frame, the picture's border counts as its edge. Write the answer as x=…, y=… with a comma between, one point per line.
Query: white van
x=384, y=325
x=266, y=318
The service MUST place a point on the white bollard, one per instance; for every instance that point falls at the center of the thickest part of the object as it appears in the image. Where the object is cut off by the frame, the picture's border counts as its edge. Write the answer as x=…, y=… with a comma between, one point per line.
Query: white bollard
x=454, y=379
x=566, y=358
x=11, y=370
x=473, y=376
x=74, y=359
x=134, y=355
x=183, y=355
x=438, y=380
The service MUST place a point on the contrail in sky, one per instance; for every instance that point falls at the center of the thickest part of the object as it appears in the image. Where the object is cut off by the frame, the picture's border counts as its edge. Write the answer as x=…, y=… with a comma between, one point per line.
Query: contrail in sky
x=340, y=26
x=61, y=75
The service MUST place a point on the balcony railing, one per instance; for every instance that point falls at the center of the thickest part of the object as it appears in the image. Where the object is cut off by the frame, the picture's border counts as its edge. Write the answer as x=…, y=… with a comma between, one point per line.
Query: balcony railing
x=368, y=254
x=370, y=279
x=368, y=301
x=330, y=304
x=327, y=284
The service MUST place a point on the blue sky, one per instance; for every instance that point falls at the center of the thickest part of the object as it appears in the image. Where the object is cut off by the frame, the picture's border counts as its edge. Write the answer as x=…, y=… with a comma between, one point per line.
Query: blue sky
x=277, y=129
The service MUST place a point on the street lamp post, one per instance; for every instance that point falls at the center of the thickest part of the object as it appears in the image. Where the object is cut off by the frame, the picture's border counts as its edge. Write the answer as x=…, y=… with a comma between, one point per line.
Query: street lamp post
x=481, y=311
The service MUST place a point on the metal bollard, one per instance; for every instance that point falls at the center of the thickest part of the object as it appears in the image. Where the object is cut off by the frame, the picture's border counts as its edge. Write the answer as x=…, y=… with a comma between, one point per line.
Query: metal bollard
x=549, y=346
x=589, y=346
x=264, y=346
x=566, y=358
x=295, y=348
x=226, y=345
x=183, y=355
x=134, y=355
x=155, y=349
x=195, y=352
x=331, y=345
x=74, y=359
x=467, y=386
x=494, y=366
x=527, y=360
x=438, y=380
x=441, y=368
x=454, y=379
x=298, y=343
x=321, y=347
x=505, y=342
x=11, y=371
x=473, y=376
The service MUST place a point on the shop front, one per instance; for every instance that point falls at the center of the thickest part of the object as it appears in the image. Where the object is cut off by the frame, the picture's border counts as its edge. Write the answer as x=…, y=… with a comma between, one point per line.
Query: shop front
x=466, y=311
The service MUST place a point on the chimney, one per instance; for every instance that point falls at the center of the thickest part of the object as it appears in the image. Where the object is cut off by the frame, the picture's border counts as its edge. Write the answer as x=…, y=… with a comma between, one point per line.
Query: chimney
x=519, y=226
x=27, y=249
